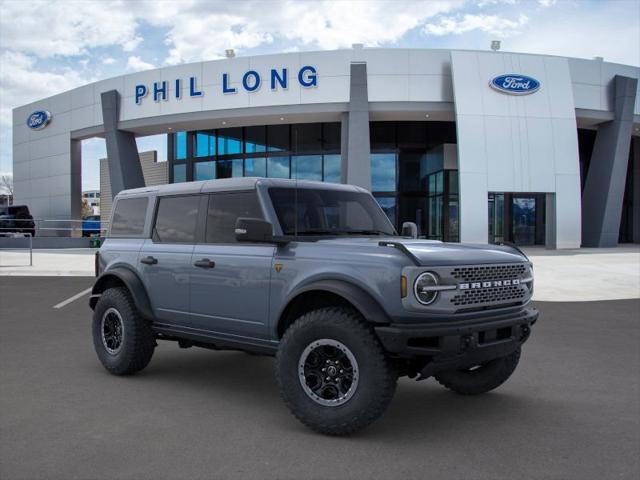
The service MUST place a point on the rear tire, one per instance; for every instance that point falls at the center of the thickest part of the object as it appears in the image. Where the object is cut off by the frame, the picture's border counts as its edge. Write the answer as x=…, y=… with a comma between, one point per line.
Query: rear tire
x=359, y=382
x=122, y=338
x=481, y=379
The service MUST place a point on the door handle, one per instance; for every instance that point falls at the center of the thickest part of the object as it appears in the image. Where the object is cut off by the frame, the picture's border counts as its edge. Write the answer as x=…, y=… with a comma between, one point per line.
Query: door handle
x=149, y=260
x=204, y=263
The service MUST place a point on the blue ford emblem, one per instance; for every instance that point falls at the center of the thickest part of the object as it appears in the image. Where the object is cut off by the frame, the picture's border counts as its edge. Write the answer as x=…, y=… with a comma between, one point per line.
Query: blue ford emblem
x=515, y=84
x=38, y=120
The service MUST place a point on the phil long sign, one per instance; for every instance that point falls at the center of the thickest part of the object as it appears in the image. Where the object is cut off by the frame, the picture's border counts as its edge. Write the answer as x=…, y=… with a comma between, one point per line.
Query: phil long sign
x=251, y=81
x=515, y=84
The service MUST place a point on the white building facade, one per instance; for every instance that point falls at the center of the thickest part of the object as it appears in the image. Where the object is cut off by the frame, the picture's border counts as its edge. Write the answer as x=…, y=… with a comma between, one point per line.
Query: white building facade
x=473, y=146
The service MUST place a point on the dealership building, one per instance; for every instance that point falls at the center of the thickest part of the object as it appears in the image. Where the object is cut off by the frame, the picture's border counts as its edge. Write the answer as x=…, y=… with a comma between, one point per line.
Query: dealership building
x=472, y=146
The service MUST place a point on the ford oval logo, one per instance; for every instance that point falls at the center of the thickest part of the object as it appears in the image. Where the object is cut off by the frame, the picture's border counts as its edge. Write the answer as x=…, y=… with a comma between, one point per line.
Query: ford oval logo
x=38, y=120
x=515, y=84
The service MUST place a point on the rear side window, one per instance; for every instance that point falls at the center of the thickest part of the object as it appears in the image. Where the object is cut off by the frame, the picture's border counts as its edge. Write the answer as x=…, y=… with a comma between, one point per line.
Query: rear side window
x=176, y=219
x=224, y=210
x=128, y=217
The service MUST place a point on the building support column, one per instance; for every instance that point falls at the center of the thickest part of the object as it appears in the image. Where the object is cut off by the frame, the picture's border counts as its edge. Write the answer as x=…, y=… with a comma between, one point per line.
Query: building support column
x=356, y=165
x=604, y=187
x=635, y=205
x=125, y=170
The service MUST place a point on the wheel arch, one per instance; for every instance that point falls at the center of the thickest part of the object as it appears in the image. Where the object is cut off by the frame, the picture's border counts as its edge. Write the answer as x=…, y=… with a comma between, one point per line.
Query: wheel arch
x=329, y=293
x=123, y=277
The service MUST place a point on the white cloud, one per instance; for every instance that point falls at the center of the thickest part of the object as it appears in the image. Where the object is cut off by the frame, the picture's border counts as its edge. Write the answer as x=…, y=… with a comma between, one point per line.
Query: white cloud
x=108, y=61
x=547, y=3
x=491, y=24
x=66, y=28
x=135, y=64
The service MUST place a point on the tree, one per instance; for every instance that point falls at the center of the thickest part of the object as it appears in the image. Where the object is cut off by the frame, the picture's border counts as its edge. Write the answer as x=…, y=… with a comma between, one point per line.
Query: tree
x=6, y=184
x=86, y=208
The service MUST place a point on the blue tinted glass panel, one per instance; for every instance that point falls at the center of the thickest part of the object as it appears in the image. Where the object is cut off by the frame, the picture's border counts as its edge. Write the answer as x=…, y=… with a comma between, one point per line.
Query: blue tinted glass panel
x=255, y=167
x=229, y=168
x=179, y=173
x=332, y=168
x=278, y=167
x=205, y=144
x=180, y=145
x=383, y=172
x=278, y=138
x=388, y=205
x=204, y=171
x=306, y=167
x=255, y=140
x=229, y=141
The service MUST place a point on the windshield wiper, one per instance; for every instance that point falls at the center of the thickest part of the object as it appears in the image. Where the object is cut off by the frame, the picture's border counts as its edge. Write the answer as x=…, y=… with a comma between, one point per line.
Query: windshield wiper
x=366, y=232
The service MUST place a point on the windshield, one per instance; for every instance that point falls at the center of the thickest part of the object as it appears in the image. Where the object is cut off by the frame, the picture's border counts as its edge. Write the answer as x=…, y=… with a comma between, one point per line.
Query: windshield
x=306, y=211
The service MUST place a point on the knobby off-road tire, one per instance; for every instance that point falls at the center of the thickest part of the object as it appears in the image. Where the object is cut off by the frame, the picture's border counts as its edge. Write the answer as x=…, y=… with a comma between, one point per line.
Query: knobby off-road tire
x=136, y=342
x=337, y=336
x=481, y=379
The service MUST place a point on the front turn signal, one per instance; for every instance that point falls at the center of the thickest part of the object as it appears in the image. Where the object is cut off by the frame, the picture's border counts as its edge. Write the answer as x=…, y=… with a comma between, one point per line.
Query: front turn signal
x=403, y=286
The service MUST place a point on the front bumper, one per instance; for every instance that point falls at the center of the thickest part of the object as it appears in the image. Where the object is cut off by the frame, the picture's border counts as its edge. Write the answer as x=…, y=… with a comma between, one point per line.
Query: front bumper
x=453, y=345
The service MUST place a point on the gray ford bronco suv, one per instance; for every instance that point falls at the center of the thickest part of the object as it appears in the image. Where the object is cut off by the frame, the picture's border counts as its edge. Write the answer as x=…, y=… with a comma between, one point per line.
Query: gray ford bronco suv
x=315, y=274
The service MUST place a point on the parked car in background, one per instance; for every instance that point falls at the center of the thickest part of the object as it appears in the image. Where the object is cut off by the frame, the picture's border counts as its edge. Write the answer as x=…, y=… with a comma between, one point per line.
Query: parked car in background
x=16, y=219
x=91, y=225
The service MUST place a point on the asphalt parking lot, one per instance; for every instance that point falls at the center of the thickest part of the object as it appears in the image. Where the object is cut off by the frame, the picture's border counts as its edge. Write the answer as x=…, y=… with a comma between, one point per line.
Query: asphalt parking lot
x=571, y=410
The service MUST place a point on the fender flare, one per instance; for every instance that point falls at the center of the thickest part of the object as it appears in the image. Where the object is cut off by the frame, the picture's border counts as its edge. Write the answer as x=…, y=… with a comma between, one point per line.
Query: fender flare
x=133, y=283
x=368, y=306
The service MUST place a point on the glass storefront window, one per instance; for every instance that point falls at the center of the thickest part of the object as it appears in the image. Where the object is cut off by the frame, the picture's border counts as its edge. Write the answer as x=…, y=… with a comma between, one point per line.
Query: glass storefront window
x=230, y=141
x=278, y=138
x=331, y=136
x=255, y=139
x=278, y=167
x=229, y=168
x=255, y=167
x=383, y=172
x=332, y=164
x=204, y=171
x=179, y=173
x=306, y=167
x=306, y=137
x=205, y=144
x=180, y=148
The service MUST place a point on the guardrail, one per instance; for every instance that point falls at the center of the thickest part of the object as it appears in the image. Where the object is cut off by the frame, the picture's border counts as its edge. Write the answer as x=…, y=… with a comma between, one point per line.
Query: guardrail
x=45, y=226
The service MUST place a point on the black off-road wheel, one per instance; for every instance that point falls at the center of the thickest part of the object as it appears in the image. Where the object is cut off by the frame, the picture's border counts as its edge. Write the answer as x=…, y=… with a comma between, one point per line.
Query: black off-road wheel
x=332, y=372
x=480, y=378
x=122, y=338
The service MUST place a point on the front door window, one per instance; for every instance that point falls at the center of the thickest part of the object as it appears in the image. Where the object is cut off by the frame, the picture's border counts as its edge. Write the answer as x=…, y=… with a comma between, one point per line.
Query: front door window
x=523, y=213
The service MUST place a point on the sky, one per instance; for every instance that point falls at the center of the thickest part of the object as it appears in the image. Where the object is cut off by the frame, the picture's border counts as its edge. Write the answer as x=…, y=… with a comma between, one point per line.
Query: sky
x=47, y=47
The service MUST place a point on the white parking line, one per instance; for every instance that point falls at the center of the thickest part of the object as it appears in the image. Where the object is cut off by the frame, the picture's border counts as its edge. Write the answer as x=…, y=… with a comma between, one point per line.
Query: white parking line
x=66, y=302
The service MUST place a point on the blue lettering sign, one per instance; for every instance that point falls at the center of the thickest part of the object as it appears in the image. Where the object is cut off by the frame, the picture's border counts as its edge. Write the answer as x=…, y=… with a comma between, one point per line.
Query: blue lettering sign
x=251, y=86
x=157, y=89
x=275, y=77
x=141, y=92
x=225, y=84
x=192, y=88
x=310, y=79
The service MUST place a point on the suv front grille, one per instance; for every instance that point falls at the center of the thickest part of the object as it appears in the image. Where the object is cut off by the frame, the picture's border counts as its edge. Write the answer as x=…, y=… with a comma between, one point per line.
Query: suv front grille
x=512, y=293
x=490, y=272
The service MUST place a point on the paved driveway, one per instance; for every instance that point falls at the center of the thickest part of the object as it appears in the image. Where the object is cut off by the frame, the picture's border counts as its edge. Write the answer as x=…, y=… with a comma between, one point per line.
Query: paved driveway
x=571, y=410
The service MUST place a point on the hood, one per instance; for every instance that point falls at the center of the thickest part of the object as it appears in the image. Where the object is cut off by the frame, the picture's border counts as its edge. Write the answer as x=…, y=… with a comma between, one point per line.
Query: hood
x=435, y=253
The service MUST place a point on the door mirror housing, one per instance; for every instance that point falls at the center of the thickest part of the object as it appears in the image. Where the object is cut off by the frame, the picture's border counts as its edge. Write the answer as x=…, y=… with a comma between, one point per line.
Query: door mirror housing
x=409, y=229
x=254, y=230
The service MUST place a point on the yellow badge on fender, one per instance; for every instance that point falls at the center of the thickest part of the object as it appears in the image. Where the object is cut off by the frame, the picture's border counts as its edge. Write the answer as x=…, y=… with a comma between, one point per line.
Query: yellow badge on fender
x=278, y=267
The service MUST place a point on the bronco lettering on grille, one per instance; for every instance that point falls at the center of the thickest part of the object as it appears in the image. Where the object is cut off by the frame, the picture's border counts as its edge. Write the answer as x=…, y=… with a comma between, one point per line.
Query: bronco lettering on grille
x=490, y=284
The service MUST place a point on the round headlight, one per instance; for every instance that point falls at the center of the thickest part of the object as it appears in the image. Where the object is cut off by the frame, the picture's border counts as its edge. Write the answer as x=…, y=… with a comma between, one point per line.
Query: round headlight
x=422, y=288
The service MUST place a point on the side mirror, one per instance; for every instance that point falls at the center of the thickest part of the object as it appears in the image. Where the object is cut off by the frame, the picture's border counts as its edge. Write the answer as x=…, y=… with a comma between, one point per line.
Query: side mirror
x=409, y=229
x=253, y=230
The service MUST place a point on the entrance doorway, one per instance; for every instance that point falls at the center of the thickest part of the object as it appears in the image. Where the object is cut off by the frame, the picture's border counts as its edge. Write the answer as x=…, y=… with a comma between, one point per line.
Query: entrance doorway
x=517, y=218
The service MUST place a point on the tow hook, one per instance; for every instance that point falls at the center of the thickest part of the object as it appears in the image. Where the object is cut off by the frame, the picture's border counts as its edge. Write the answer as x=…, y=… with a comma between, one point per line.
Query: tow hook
x=524, y=333
x=468, y=342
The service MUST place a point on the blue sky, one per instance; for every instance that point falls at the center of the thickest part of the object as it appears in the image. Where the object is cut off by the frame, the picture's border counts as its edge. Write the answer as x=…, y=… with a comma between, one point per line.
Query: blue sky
x=48, y=47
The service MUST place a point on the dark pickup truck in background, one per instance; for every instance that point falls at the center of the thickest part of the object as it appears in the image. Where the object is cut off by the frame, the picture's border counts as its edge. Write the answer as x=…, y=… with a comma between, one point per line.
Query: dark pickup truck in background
x=17, y=219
